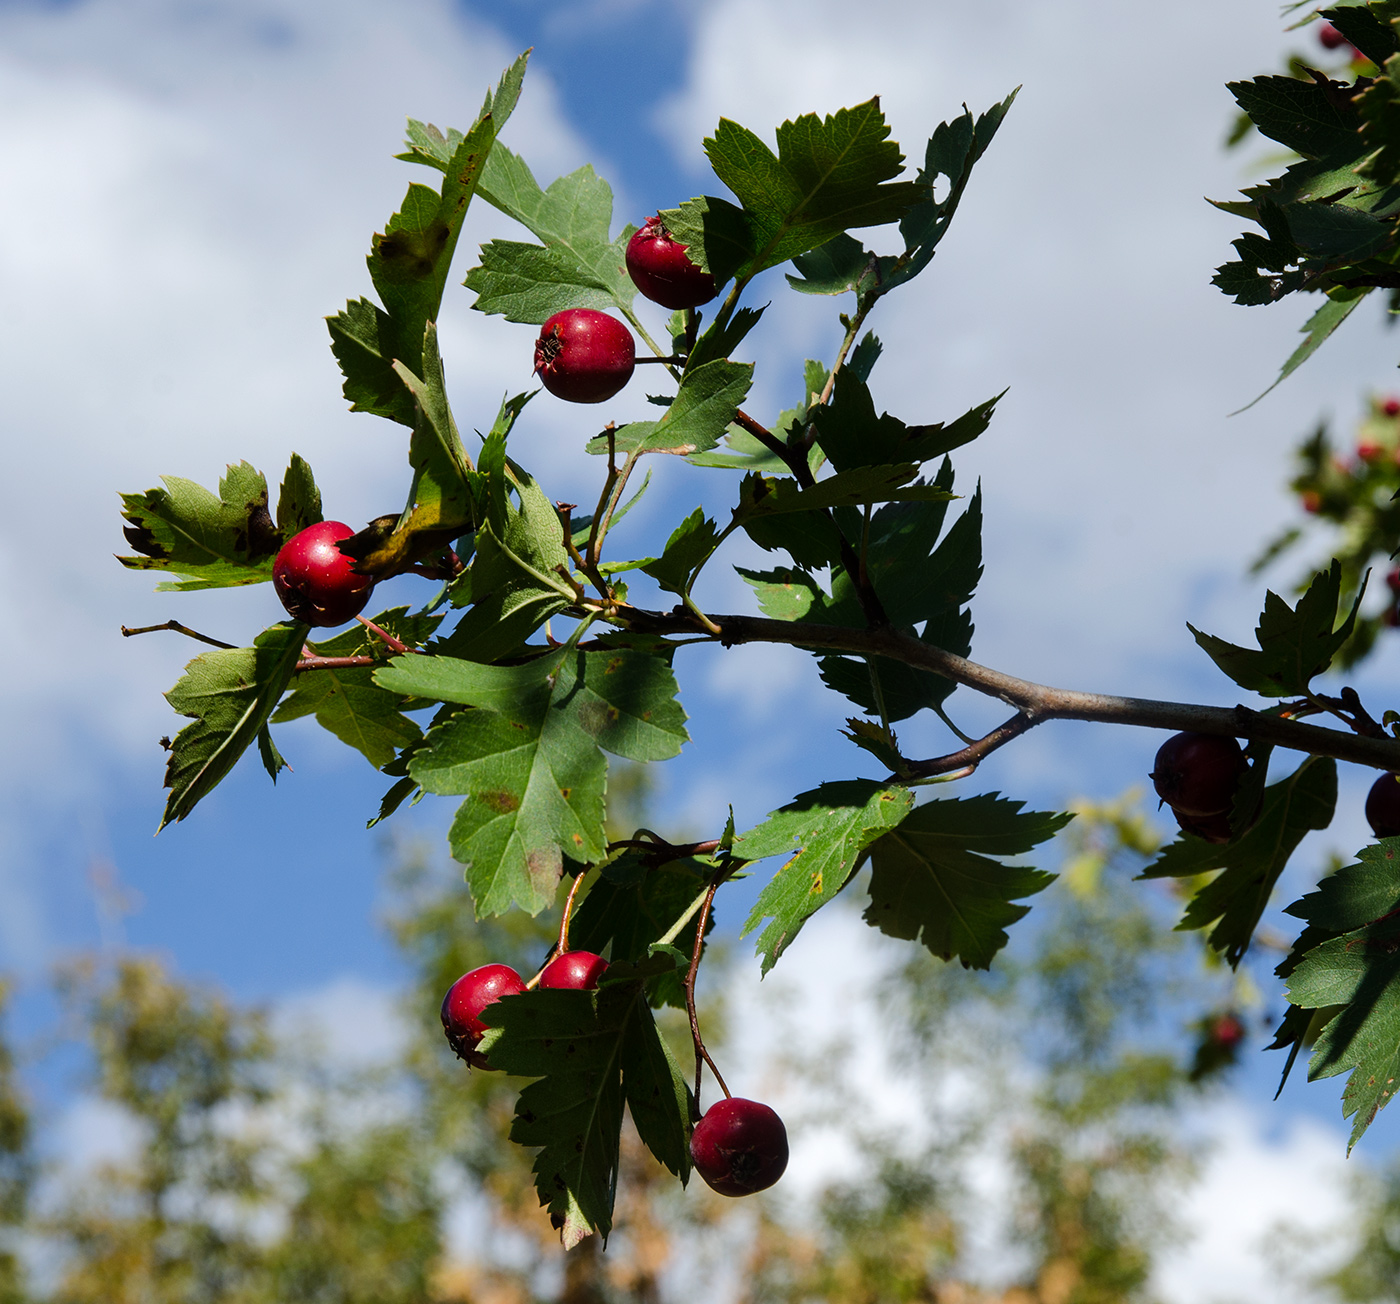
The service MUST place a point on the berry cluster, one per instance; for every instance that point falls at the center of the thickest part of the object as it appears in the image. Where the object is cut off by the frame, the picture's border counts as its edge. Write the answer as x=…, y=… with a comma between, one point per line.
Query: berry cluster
x=738, y=1147
x=583, y=355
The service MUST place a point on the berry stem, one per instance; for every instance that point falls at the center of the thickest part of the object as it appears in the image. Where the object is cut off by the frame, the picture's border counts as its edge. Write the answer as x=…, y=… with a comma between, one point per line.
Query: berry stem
x=677, y=359
x=393, y=644
x=175, y=627
x=569, y=911
x=702, y=1056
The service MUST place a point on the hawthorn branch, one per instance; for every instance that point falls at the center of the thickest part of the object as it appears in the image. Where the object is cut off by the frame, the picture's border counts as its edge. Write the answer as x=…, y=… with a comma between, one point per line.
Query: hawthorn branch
x=1037, y=702
x=334, y=663
x=175, y=627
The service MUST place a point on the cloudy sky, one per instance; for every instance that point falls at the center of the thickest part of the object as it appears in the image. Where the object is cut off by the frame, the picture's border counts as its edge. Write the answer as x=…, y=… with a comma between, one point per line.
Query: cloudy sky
x=190, y=186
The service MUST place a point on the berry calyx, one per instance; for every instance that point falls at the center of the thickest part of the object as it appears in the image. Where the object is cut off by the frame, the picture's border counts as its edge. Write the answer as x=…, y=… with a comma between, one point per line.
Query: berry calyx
x=584, y=356
x=739, y=1147
x=1383, y=807
x=574, y=970
x=317, y=583
x=1196, y=774
x=661, y=269
x=464, y=1002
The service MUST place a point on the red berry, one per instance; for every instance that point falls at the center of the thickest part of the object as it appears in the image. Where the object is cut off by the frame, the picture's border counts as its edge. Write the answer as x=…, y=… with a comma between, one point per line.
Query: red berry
x=1368, y=450
x=1392, y=579
x=739, y=1147
x=1330, y=37
x=1383, y=807
x=661, y=269
x=1196, y=774
x=1391, y=407
x=584, y=356
x=577, y=970
x=1311, y=500
x=465, y=1000
x=1226, y=1031
x=318, y=584
x=1390, y=617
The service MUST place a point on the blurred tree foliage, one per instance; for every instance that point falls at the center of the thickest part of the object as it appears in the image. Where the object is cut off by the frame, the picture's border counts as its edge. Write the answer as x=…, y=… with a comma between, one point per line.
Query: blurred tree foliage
x=1037, y=1165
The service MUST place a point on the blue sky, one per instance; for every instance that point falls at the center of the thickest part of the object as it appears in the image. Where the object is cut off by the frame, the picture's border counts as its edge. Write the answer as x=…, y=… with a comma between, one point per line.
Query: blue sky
x=192, y=187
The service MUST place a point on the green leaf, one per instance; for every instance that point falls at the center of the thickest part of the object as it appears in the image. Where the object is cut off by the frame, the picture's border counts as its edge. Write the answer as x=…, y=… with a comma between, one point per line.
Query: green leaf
x=856, y=487
x=829, y=175
x=933, y=878
x=633, y=904
x=688, y=548
x=1251, y=864
x=298, y=501
x=1304, y=116
x=825, y=832
x=591, y=1051
x=1317, y=328
x=408, y=264
x=723, y=337
x=214, y=542
x=230, y=695
x=511, y=582
x=1296, y=644
x=528, y=759
x=786, y=594
x=703, y=407
x=1369, y=27
x=851, y=435
x=742, y=452
x=577, y=264
x=429, y=146
x=1356, y=894
x=347, y=702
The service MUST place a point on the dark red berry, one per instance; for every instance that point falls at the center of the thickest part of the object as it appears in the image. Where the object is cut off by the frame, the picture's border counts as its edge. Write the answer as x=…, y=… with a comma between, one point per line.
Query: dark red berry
x=739, y=1147
x=1368, y=450
x=1391, y=407
x=1383, y=807
x=1392, y=579
x=465, y=1000
x=576, y=970
x=584, y=356
x=661, y=269
x=318, y=584
x=1330, y=37
x=1196, y=774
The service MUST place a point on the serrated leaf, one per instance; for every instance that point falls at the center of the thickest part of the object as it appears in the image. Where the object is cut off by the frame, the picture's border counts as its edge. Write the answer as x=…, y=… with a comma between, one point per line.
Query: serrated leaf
x=933, y=878
x=1301, y=115
x=577, y=264
x=408, y=264
x=851, y=435
x=298, y=500
x=829, y=175
x=431, y=147
x=787, y=594
x=591, y=1051
x=214, y=542
x=528, y=757
x=1357, y=894
x=1251, y=864
x=723, y=337
x=688, y=548
x=230, y=694
x=856, y=487
x=1295, y=644
x=825, y=832
x=704, y=406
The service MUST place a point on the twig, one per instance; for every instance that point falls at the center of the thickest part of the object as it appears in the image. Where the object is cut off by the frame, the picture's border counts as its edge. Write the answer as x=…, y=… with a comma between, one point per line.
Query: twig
x=969, y=757
x=702, y=1056
x=676, y=360
x=333, y=663
x=175, y=627
x=1040, y=702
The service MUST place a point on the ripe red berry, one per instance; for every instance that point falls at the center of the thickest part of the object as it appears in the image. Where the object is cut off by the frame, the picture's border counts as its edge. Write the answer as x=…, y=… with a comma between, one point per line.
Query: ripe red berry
x=1368, y=450
x=1383, y=807
x=1196, y=774
x=661, y=269
x=1329, y=37
x=739, y=1147
x=584, y=356
x=318, y=584
x=1391, y=407
x=465, y=1000
x=576, y=970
